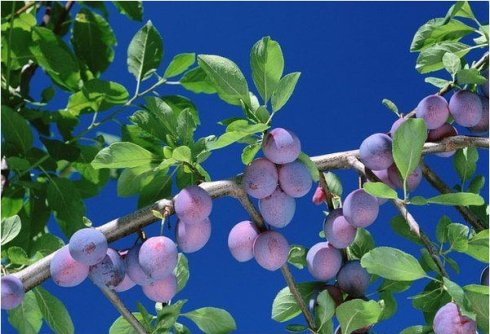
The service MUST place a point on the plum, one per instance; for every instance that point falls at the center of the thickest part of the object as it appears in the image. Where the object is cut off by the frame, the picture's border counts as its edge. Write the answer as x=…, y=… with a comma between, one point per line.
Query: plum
x=375, y=151
x=466, y=108
x=193, y=204
x=484, y=277
x=445, y=131
x=353, y=279
x=482, y=125
x=295, y=179
x=449, y=320
x=88, y=246
x=413, y=179
x=260, y=178
x=278, y=208
x=65, y=270
x=241, y=240
x=191, y=238
x=110, y=271
x=12, y=292
x=434, y=110
x=281, y=146
x=161, y=291
x=338, y=231
x=133, y=268
x=319, y=196
x=323, y=261
x=360, y=208
x=396, y=125
x=271, y=250
x=127, y=283
x=158, y=257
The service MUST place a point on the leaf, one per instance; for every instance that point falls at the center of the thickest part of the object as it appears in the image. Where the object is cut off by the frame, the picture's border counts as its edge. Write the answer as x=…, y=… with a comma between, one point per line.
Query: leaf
x=15, y=131
x=284, y=306
x=249, y=152
x=310, y=165
x=284, y=90
x=461, y=199
x=167, y=315
x=197, y=81
x=132, y=9
x=296, y=328
x=441, y=229
x=362, y=244
x=418, y=329
x=392, y=263
x=46, y=244
x=10, y=228
x=470, y=76
x=408, y=142
x=458, y=296
x=430, y=59
x=357, y=313
x=181, y=271
x=212, y=320
x=160, y=186
x=231, y=137
x=390, y=305
x=145, y=52
x=457, y=236
x=325, y=309
x=122, y=155
x=182, y=153
x=451, y=62
x=93, y=41
x=431, y=298
x=478, y=298
x=478, y=246
x=26, y=318
x=179, y=64
x=391, y=105
x=439, y=83
x=439, y=30
x=379, y=189
x=465, y=162
x=267, y=63
x=401, y=227
x=122, y=326
x=59, y=150
x=394, y=286
x=476, y=184
x=334, y=184
x=297, y=256
x=54, y=312
x=227, y=79
x=52, y=54
x=18, y=40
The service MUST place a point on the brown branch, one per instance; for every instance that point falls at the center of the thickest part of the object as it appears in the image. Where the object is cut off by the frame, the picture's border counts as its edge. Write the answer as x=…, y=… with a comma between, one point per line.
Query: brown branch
x=443, y=188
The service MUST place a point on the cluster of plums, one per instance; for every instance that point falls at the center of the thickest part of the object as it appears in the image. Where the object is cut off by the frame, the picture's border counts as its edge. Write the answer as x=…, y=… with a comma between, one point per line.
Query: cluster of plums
x=150, y=264
x=275, y=180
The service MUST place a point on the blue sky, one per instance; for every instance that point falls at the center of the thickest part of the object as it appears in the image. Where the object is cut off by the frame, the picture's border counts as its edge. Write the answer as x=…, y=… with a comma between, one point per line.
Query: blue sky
x=351, y=56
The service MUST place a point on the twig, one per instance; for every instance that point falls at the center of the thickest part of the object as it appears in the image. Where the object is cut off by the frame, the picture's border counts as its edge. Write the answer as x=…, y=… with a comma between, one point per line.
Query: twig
x=119, y=305
x=326, y=190
x=439, y=184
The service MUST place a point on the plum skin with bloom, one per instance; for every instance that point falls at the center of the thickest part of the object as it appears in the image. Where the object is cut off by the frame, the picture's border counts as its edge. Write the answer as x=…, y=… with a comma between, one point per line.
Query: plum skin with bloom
x=360, y=208
x=12, y=292
x=375, y=151
x=295, y=179
x=338, y=231
x=260, y=178
x=271, y=250
x=466, y=108
x=241, y=240
x=65, y=270
x=482, y=125
x=323, y=261
x=110, y=271
x=158, y=257
x=353, y=279
x=133, y=268
x=88, y=246
x=163, y=290
x=434, y=110
x=413, y=179
x=193, y=237
x=445, y=131
x=449, y=320
x=281, y=146
x=193, y=204
x=278, y=208
x=127, y=283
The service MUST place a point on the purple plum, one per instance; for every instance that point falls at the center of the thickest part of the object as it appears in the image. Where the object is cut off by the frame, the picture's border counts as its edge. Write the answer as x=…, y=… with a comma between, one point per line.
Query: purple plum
x=241, y=240
x=323, y=261
x=158, y=257
x=65, y=270
x=133, y=268
x=375, y=151
x=12, y=292
x=466, y=108
x=110, y=271
x=360, y=208
x=353, y=279
x=260, y=178
x=271, y=250
x=127, y=283
x=88, y=246
x=191, y=238
x=338, y=231
x=193, y=204
x=448, y=320
x=413, y=179
x=396, y=125
x=484, y=277
x=445, y=131
x=295, y=179
x=482, y=126
x=161, y=291
x=278, y=208
x=434, y=110
x=281, y=146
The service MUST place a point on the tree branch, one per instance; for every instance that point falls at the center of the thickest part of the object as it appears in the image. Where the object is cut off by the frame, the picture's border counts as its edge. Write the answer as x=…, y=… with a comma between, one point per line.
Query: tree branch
x=118, y=228
x=443, y=188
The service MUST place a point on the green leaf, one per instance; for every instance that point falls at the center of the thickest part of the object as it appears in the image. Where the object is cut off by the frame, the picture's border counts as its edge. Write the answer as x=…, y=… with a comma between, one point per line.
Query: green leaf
x=391, y=105
x=478, y=246
x=179, y=64
x=296, y=328
x=181, y=271
x=26, y=318
x=54, y=312
x=461, y=199
x=431, y=298
x=167, y=315
x=145, y=52
x=457, y=236
x=93, y=41
x=441, y=229
x=439, y=30
x=451, y=62
x=231, y=137
x=390, y=305
x=132, y=9
x=122, y=326
x=418, y=329
x=379, y=189
x=362, y=244
x=15, y=131
x=52, y=54
x=476, y=184
x=430, y=59
x=392, y=263
x=394, y=286
x=297, y=256
x=197, y=81
x=122, y=155
x=408, y=142
x=18, y=40
x=212, y=320
x=325, y=309
x=458, y=296
x=249, y=152
x=160, y=186
x=310, y=165
x=334, y=184
x=357, y=313
x=17, y=255
x=182, y=153
x=227, y=79
x=461, y=9
x=478, y=298
x=59, y=150
x=46, y=244
x=284, y=90
x=10, y=228
x=285, y=308
x=267, y=63
x=465, y=162
x=470, y=76
x=439, y=83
